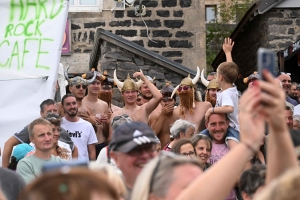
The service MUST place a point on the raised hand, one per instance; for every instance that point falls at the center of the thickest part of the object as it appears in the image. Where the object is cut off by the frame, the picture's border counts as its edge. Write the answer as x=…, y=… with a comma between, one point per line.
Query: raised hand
x=168, y=108
x=140, y=74
x=272, y=102
x=228, y=45
x=252, y=124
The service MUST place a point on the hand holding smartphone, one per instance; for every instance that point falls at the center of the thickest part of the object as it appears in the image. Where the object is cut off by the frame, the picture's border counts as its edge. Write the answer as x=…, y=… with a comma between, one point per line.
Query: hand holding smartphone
x=266, y=60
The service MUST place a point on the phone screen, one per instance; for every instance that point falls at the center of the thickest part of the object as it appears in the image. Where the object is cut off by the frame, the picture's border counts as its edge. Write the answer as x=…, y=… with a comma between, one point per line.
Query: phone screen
x=266, y=60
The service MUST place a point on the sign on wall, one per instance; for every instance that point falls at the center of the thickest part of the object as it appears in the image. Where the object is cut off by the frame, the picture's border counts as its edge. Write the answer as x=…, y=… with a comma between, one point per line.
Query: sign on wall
x=66, y=44
x=31, y=34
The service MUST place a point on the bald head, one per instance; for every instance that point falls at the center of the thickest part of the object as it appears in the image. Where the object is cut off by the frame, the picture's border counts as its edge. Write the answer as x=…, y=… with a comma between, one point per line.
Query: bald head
x=285, y=81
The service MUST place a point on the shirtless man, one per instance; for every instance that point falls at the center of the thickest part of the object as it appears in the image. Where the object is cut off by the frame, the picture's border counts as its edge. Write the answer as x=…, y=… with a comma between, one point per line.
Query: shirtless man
x=212, y=87
x=106, y=93
x=129, y=90
x=78, y=86
x=161, y=121
x=144, y=90
x=97, y=106
x=190, y=108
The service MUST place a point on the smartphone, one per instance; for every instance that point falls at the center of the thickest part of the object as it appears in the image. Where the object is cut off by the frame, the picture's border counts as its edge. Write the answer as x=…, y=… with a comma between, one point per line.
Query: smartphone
x=266, y=59
x=56, y=166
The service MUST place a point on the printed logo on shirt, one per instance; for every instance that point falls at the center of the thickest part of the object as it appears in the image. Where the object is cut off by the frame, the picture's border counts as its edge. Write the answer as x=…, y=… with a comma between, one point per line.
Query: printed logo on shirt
x=77, y=134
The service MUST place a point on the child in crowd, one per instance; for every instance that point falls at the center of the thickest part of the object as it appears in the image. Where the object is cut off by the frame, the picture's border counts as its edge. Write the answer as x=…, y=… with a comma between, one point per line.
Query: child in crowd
x=227, y=98
x=227, y=101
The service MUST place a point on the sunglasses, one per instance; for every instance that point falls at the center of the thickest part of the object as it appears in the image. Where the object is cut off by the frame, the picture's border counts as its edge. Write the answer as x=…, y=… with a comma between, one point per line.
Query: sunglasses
x=167, y=99
x=79, y=86
x=54, y=117
x=185, y=87
x=289, y=74
x=138, y=100
x=116, y=118
x=251, y=80
x=106, y=87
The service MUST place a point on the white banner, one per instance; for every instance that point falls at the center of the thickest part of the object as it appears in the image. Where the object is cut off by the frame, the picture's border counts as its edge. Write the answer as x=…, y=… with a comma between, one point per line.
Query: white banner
x=31, y=34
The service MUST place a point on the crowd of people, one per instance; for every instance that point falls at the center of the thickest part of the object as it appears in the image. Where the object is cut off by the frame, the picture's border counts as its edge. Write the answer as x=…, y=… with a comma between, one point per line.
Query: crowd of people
x=214, y=145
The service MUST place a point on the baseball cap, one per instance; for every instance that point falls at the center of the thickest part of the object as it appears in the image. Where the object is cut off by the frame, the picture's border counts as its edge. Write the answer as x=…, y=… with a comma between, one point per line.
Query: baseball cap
x=130, y=135
x=21, y=150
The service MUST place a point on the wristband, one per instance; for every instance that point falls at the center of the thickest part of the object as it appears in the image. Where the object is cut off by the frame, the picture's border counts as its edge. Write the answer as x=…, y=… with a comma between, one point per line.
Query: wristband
x=249, y=147
x=213, y=110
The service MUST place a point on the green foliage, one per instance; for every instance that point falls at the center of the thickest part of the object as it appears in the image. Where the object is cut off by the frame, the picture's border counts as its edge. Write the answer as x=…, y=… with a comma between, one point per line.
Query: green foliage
x=229, y=13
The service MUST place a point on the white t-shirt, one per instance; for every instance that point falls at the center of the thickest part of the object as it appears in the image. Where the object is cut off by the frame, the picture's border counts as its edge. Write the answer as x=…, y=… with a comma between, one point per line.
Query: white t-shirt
x=230, y=97
x=82, y=134
x=102, y=158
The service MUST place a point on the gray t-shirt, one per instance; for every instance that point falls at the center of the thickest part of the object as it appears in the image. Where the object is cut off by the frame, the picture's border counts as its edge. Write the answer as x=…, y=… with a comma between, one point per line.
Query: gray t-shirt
x=31, y=167
x=11, y=183
x=23, y=137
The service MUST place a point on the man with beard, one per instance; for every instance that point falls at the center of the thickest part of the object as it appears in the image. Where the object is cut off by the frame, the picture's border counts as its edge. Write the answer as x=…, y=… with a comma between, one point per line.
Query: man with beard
x=211, y=91
x=129, y=90
x=81, y=132
x=106, y=92
x=161, y=121
x=98, y=107
x=191, y=108
x=46, y=107
x=285, y=80
x=145, y=91
x=293, y=91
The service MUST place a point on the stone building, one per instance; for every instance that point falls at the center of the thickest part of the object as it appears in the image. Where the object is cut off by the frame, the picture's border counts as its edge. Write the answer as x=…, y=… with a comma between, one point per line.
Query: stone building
x=275, y=29
x=112, y=52
x=177, y=28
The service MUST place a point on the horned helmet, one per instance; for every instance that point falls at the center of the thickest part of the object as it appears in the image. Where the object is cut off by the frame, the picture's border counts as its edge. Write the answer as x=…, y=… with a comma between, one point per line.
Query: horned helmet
x=209, y=84
x=107, y=80
x=188, y=81
x=167, y=90
x=79, y=80
x=251, y=77
x=128, y=84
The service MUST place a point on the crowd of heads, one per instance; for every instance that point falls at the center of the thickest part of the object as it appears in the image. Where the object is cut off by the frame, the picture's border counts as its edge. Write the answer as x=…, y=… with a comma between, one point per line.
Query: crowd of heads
x=166, y=157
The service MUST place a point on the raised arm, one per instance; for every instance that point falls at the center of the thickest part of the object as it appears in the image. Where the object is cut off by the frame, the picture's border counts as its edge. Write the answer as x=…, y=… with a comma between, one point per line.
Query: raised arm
x=219, y=110
x=153, y=103
x=230, y=167
x=227, y=48
x=280, y=150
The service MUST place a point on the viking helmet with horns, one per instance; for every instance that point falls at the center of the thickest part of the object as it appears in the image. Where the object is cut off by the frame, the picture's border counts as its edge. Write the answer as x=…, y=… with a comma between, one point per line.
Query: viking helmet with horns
x=78, y=80
x=209, y=84
x=251, y=77
x=167, y=90
x=188, y=81
x=128, y=84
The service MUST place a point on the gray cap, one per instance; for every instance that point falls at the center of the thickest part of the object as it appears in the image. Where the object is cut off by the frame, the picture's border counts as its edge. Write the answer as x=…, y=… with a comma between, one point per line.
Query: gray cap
x=130, y=135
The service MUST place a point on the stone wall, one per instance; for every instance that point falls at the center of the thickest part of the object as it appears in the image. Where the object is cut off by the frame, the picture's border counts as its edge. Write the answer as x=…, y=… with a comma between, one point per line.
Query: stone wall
x=274, y=30
x=114, y=57
x=177, y=27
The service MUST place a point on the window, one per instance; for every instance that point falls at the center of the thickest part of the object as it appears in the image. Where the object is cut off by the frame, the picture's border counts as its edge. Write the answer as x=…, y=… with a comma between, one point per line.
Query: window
x=85, y=5
x=210, y=13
